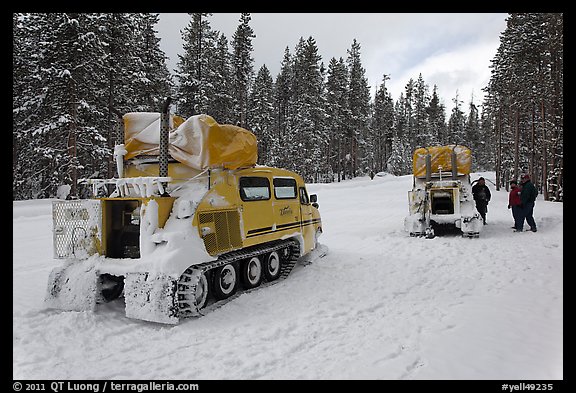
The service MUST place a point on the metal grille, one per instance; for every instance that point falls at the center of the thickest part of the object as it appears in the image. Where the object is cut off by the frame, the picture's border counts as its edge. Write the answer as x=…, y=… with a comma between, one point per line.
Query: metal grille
x=226, y=231
x=77, y=228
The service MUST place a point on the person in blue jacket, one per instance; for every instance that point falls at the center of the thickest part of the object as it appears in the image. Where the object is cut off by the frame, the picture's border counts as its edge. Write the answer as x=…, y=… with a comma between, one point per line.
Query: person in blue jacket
x=528, y=198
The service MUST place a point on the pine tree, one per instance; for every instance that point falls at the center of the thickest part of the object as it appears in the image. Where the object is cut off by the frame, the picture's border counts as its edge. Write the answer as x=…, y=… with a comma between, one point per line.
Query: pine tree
x=456, y=123
x=242, y=68
x=262, y=113
x=194, y=69
x=283, y=104
x=359, y=105
x=307, y=122
x=525, y=101
x=437, y=119
x=70, y=70
x=154, y=82
x=382, y=126
x=421, y=128
x=121, y=82
x=337, y=114
x=28, y=96
x=473, y=136
x=407, y=106
x=66, y=60
x=220, y=104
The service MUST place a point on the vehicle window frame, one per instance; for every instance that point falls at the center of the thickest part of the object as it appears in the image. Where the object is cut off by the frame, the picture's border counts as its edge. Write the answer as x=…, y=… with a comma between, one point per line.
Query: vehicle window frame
x=242, y=187
x=280, y=179
x=303, y=190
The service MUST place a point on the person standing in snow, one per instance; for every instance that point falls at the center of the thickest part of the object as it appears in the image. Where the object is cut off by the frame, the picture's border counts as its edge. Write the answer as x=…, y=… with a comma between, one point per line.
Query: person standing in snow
x=514, y=203
x=528, y=198
x=482, y=196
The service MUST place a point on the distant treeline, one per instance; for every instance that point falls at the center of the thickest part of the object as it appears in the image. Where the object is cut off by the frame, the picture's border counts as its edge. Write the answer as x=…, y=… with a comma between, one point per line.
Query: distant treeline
x=75, y=74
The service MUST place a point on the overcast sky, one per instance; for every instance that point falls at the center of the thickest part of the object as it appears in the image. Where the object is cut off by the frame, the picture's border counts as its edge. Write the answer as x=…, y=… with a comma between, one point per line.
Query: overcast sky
x=450, y=50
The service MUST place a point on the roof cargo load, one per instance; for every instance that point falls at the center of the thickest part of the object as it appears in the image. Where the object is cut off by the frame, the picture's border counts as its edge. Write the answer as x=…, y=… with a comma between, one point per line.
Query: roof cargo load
x=441, y=157
x=198, y=142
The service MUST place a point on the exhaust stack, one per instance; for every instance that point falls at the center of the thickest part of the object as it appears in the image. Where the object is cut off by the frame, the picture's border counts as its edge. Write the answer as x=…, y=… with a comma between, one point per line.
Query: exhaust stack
x=164, y=132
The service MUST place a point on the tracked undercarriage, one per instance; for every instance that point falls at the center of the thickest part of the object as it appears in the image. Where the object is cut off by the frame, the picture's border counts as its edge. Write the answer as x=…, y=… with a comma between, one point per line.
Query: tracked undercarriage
x=276, y=262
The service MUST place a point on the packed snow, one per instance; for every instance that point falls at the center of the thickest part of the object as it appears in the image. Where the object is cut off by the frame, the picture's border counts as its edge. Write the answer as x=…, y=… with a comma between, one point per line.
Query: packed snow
x=380, y=305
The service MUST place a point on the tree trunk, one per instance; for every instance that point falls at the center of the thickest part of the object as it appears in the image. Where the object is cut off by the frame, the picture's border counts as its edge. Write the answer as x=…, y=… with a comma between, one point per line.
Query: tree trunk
x=516, y=144
x=71, y=144
x=544, y=151
x=499, y=149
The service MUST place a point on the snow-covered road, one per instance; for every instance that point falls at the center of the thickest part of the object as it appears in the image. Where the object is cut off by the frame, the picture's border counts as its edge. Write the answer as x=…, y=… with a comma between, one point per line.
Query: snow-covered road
x=380, y=305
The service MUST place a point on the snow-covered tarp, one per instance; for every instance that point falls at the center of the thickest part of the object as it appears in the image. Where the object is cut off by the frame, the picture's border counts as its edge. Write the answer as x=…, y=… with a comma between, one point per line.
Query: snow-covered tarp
x=198, y=142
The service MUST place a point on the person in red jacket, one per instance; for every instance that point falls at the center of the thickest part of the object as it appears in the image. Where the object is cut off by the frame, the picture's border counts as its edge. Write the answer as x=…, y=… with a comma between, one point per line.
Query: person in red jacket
x=514, y=203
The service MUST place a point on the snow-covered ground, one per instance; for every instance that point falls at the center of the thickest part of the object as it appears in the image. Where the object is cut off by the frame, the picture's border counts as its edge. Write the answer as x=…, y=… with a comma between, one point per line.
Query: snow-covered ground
x=379, y=305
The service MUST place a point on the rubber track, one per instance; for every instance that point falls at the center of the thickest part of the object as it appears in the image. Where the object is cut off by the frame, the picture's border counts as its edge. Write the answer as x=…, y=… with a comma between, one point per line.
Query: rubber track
x=190, y=278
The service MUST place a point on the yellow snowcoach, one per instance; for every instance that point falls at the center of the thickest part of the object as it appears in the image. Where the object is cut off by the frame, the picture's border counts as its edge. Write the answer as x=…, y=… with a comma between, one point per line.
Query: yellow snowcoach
x=192, y=220
x=441, y=194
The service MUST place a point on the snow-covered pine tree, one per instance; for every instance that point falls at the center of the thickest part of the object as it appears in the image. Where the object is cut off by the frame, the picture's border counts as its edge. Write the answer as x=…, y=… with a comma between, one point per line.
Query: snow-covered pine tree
x=382, y=126
x=408, y=132
x=359, y=105
x=337, y=114
x=423, y=136
x=194, y=69
x=400, y=159
x=220, y=103
x=122, y=84
x=437, y=119
x=66, y=61
x=153, y=82
x=472, y=130
x=307, y=121
x=525, y=99
x=242, y=68
x=283, y=104
x=28, y=95
x=457, y=123
x=262, y=115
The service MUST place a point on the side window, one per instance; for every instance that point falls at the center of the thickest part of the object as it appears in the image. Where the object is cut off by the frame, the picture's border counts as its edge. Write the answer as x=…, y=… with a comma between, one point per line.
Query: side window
x=284, y=188
x=254, y=188
x=304, y=196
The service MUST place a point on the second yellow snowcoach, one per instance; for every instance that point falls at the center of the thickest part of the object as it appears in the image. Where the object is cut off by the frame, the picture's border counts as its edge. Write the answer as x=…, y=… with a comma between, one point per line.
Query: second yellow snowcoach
x=442, y=192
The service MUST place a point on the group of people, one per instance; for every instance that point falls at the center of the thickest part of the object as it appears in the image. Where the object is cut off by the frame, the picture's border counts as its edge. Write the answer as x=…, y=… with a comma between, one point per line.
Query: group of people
x=521, y=200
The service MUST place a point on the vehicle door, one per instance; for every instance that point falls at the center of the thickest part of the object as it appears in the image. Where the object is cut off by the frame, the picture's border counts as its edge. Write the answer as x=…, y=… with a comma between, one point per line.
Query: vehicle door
x=255, y=206
x=286, y=205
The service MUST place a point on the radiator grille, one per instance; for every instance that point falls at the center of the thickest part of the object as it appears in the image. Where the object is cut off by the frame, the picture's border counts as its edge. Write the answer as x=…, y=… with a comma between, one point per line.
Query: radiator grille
x=77, y=228
x=223, y=229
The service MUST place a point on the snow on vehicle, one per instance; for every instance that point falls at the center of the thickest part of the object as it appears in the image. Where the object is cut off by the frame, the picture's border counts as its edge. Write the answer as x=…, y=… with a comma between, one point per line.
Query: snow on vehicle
x=441, y=195
x=192, y=221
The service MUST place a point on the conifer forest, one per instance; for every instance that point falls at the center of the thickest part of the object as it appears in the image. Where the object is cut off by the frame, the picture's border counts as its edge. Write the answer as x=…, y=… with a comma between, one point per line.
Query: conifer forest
x=75, y=74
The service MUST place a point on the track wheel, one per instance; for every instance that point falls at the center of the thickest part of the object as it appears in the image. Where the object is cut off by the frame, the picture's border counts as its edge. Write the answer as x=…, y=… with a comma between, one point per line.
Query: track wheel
x=201, y=292
x=252, y=272
x=192, y=297
x=225, y=281
x=272, y=266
